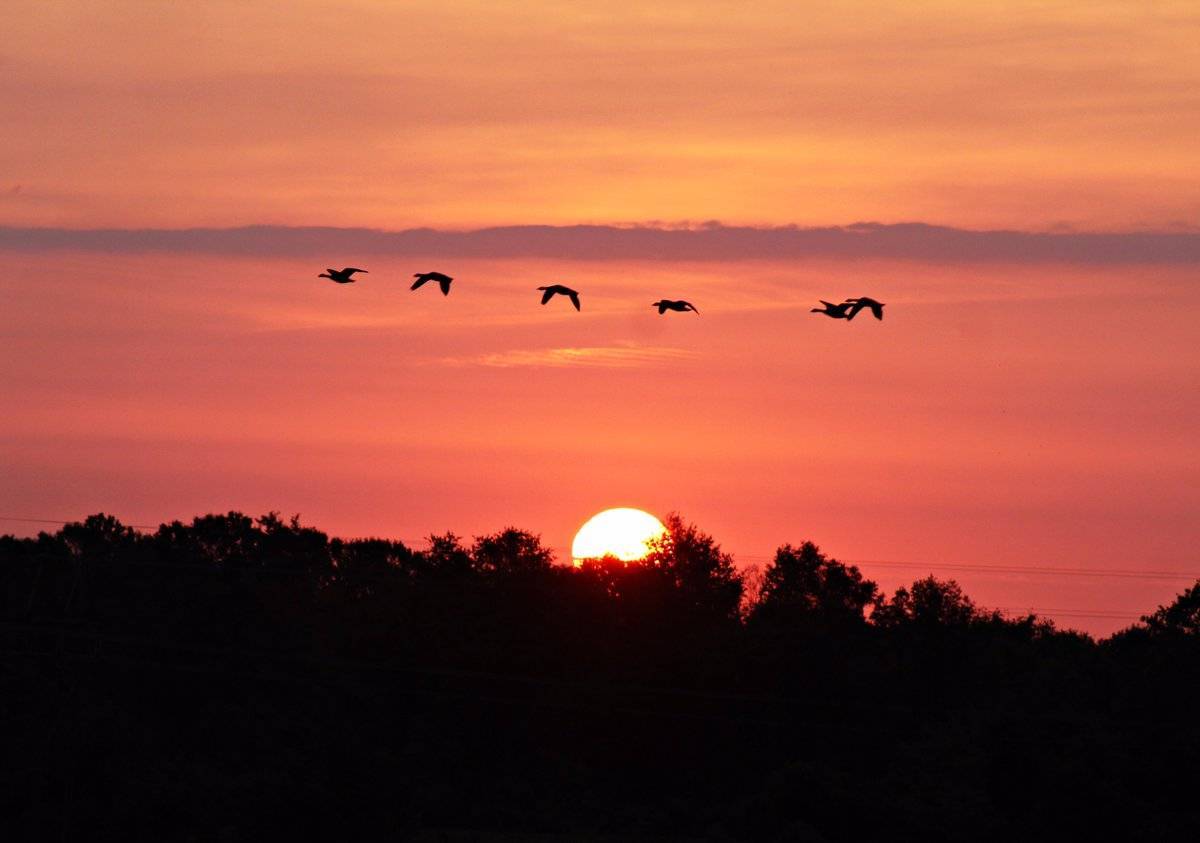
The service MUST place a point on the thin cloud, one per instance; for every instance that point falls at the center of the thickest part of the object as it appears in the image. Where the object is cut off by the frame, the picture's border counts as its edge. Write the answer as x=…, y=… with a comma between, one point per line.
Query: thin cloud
x=619, y=356
x=707, y=242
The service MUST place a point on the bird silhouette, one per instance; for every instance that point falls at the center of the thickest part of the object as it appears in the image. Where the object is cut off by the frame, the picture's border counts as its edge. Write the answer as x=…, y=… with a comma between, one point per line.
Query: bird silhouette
x=443, y=280
x=341, y=276
x=680, y=305
x=861, y=302
x=560, y=290
x=834, y=311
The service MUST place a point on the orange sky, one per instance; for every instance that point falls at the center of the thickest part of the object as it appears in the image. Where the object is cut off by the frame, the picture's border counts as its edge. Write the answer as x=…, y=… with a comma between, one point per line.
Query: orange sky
x=1001, y=413
x=1013, y=407
x=382, y=114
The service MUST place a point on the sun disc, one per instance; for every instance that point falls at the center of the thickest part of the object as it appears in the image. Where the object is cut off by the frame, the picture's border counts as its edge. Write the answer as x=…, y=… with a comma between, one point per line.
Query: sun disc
x=623, y=532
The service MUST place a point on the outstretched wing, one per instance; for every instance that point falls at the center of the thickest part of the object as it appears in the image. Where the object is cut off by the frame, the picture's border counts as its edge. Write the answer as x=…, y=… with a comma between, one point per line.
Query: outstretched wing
x=421, y=279
x=854, y=310
x=444, y=282
x=574, y=298
x=877, y=309
x=350, y=270
x=546, y=296
x=692, y=307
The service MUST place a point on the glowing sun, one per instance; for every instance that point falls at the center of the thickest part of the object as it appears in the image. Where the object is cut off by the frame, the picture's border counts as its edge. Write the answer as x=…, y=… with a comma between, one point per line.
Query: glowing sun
x=623, y=533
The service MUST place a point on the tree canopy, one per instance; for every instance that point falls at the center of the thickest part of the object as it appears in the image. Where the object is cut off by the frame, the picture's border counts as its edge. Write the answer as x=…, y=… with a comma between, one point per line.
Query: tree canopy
x=234, y=677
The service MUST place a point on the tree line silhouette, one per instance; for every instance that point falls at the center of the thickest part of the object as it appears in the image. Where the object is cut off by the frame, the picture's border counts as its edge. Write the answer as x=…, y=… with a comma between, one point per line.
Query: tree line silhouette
x=236, y=677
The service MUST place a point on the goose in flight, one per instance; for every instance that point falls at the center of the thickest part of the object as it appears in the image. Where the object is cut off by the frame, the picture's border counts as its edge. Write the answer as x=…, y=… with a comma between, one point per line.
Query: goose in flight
x=861, y=302
x=550, y=291
x=680, y=305
x=834, y=311
x=443, y=280
x=341, y=276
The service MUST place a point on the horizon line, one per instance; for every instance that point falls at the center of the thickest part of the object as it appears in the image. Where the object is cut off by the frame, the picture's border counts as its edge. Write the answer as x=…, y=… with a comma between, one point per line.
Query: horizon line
x=707, y=241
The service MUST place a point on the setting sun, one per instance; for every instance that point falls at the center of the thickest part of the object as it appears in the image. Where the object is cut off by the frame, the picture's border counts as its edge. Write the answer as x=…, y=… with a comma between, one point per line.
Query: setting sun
x=623, y=532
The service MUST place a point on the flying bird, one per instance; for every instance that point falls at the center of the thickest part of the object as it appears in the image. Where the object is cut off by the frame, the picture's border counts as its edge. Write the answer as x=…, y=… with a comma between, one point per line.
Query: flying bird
x=834, y=311
x=861, y=302
x=341, y=276
x=443, y=280
x=561, y=290
x=680, y=306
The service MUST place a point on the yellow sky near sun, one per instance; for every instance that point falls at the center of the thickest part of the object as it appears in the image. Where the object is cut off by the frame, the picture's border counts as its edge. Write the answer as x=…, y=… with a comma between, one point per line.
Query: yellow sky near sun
x=468, y=113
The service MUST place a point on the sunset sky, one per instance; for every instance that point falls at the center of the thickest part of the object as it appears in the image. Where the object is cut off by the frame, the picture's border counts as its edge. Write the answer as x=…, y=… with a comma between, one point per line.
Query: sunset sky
x=1031, y=397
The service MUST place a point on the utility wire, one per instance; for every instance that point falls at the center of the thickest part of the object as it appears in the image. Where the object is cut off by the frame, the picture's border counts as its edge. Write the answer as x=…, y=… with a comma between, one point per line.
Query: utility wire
x=1003, y=568
x=1007, y=568
x=63, y=522
x=1072, y=613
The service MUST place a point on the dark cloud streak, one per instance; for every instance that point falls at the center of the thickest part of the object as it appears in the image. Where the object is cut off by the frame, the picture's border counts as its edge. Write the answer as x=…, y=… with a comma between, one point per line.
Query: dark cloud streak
x=711, y=242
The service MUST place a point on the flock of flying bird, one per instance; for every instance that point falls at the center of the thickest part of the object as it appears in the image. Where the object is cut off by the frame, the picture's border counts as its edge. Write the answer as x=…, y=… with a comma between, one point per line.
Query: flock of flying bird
x=847, y=310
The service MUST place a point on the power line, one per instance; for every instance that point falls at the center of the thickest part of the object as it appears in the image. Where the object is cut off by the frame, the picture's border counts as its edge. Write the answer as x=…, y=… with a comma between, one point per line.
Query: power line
x=1004, y=568
x=1102, y=614
x=1007, y=568
x=62, y=522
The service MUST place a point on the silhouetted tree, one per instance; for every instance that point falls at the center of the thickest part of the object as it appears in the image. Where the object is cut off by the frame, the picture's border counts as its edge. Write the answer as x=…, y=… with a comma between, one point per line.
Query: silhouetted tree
x=705, y=577
x=225, y=541
x=363, y=566
x=446, y=556
x=1180, y=617
x=97, y=551
x=99, y=537
x=930, y=604
x=802, y=585
x=286, y=545
x=511, y=551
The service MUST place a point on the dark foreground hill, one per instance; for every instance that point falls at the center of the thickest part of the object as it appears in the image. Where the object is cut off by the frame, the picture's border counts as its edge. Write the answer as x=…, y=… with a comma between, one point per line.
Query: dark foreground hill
x=235, y=679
